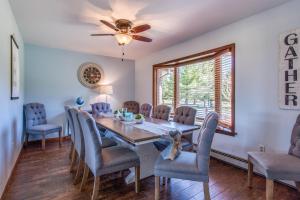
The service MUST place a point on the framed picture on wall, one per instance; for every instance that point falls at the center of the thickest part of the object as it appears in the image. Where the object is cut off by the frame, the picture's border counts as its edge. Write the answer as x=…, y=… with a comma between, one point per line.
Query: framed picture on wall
x=15, y=69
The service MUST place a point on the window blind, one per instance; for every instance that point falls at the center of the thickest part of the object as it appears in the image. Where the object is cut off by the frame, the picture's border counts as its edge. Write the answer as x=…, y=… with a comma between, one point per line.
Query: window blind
x=203, y=81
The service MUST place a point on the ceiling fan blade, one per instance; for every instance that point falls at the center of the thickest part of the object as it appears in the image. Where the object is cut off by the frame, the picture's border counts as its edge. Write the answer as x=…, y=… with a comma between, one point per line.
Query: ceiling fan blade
x=100, y=34
x=140, y=28
x=141, y=38
x=109, y=25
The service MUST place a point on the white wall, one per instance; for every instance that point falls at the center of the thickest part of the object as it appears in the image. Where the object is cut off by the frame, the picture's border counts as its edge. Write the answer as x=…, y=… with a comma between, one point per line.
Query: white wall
x=11, y=111
x=258, y=117
x=51, y=78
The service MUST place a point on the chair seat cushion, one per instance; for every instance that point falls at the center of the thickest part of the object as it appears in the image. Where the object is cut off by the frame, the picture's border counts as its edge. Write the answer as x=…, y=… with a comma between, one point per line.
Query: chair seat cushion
x=117, y=158
x=277, y=166
x=44, y=129
x=107, y=142
x=183, y=167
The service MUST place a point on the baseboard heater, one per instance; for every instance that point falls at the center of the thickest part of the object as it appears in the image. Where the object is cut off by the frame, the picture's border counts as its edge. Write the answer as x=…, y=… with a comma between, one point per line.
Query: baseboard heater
x=229, y=156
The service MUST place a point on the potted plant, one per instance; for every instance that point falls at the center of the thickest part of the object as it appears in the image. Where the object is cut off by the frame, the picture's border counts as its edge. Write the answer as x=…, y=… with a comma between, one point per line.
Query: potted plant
x=139, y=118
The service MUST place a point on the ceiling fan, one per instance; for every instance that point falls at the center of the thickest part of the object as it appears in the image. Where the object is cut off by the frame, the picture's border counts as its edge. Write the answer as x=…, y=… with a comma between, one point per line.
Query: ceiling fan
x=125, y=32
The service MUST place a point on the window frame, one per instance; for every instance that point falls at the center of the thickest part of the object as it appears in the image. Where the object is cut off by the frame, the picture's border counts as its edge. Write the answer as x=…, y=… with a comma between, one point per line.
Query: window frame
x=202, y=56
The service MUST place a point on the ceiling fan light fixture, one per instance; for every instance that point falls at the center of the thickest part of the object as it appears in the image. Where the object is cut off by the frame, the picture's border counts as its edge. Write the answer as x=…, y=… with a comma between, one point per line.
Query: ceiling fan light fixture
x=123, y=38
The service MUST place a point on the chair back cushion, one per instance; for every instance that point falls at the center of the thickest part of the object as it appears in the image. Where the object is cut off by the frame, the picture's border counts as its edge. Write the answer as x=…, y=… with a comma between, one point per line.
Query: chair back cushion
x=98, y=108
x=207, y=132
x=146, y=109
x=35, y=114
x=132, y=106
x=79, y=140
x=70, y=121
x=161, y=112
x=92, y=142
x=185, y=115
x=295, y=139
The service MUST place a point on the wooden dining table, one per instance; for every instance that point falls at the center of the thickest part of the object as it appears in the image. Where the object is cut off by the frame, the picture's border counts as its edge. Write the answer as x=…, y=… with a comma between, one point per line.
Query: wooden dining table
x=140, y=138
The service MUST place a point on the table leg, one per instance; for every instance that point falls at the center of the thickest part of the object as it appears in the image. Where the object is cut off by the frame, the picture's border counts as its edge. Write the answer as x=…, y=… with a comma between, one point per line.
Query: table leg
x=148, y=155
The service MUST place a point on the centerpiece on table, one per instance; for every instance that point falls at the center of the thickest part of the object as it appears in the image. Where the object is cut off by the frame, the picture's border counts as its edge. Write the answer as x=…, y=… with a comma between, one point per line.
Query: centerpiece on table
x=123, y=115
x=118, y=113
x=139, y=118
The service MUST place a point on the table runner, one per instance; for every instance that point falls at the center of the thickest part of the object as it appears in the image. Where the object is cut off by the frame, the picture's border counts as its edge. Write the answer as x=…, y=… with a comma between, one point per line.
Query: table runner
x=151, y=127
x=169, y=134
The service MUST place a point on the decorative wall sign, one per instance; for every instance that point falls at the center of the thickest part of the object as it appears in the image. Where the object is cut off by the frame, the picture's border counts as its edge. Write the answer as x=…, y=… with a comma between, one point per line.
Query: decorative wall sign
x=289, y=70
x=15, y=69
x=90, y=74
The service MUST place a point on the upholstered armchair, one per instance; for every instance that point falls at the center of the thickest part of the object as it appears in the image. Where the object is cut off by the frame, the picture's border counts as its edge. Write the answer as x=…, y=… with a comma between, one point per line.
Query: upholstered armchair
x=132, y=106
x=100, y=161
x=161, y=112
x=189, y=165
x=36, y=123
x=79, y=144
x=101, y=108
x=186, y=115
x=275, y=166
x=146, y=109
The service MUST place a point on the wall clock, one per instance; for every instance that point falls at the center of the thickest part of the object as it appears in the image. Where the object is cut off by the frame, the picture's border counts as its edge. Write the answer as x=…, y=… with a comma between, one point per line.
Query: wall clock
x=90, y=74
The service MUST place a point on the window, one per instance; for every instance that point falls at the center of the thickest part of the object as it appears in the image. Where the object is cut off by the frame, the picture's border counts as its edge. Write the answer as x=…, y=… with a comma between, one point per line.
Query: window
x=204, y=81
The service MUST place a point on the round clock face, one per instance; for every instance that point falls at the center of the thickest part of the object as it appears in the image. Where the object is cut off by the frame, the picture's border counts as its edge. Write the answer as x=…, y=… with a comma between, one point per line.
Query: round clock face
x=90, y=74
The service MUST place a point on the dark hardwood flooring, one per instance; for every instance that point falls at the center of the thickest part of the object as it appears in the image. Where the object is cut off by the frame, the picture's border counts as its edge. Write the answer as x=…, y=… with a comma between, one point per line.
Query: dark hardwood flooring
x=42, y=175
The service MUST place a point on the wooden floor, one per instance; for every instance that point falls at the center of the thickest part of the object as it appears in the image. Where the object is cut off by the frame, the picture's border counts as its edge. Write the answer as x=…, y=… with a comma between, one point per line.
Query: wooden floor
x=45, y=175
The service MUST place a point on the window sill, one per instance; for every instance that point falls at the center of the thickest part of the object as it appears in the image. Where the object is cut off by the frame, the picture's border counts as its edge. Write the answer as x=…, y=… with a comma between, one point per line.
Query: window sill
x=223, y=131
x=226, y=132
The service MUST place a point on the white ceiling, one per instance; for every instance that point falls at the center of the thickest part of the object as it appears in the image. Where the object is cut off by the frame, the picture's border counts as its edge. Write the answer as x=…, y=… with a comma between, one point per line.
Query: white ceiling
x=66, y=24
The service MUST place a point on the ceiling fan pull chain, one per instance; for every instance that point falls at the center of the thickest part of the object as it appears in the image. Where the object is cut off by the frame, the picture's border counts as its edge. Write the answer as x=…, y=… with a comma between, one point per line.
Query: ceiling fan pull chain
x=123, y=54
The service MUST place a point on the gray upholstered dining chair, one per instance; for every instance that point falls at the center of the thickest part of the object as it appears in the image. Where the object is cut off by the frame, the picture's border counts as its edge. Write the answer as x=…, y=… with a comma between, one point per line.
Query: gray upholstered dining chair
x=275, y=166
x=71, y=127
x=146, y=109
x=161, y=112
x=186, y=115
x=132, y=106
x=101, y=161
x=189, y=165
x=79, y=144
x=78, y=153
x=100, y=108
x=36, y=123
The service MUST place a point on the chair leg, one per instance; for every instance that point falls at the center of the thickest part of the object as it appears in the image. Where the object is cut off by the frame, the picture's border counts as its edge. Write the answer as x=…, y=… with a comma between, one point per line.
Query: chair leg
x=84, y=177
x=71, y=151
x=250, y=174
x=269, y=189
x=137, y=179
x=206, y=191
x=43, y=142
x=73, y=160
x=298, y=186
x=157, y=180
x=78, y=171
x=96, y=188
x=59, y=137
x=26, y=139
